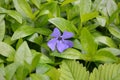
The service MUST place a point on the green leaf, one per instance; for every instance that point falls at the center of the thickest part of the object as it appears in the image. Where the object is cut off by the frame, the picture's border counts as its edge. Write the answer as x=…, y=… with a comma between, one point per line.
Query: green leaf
x=23, y=8
x=22, y=72
x=113, y=51
x=35, y=60
x=54, y=76
x=88, y=43
x=53, y=8
x=106, y=7
x=2, y=72
x=88, y=16
x=65, y=2
x=101, y=20
x=23, y=54
x=39, y=77
x=43, y=31
x=23, y=31
x=114, y=31
x=6, y=50
x=37, y=3
x=106, y=40
x=71, y=70
x=15, y=15
x=10, y=70
x=63, y=25
x=42, y=68
x=106, y=72
x=2, y=29
x=85, y=7
x=104, y=56
x=69, y=54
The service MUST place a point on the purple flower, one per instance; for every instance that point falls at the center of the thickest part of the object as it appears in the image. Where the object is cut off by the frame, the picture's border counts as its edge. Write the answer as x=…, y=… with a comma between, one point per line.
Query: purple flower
x=59, y=41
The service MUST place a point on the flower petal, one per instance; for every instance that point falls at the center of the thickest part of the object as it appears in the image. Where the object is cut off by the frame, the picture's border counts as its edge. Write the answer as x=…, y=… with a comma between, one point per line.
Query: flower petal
x=69, y=43
x=52, y=44
x=56, y=33
x=61, y=46
x=67, y=35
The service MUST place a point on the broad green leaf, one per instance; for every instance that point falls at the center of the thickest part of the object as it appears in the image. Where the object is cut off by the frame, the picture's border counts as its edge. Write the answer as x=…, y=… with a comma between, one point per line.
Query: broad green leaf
x=113, y=51
x=23, y=54
x=101, y=20
x=6, y=50
x=63, y=25
x=2, y=29
x=71, y=70
x=106, y=72
x=37, y=3
x=2, y=72
x=106, y=7
x=114, y=31
x=104, y=56
x=53, y=8
x=69, y=54
x=21, y=72
x=39, y=77
x=88, y=16
x=10, y=70
x=45, y=59
x=15, y=15
x=23, y=8
x=42, y=68
x=35, y=59
x=77, y=44
x=35, y=38
x=54, y=76
x=85, y=6
x=88, y=42
x=2, y=17
x=106, y=40
x=23, y=31
x=65, y=2
x=43, y=31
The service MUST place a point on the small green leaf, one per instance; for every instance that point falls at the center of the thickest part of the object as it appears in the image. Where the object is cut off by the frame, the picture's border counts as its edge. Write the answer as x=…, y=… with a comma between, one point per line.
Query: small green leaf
x=106, y=72
x=23, y=8
x=106, y=40
x=23, y=54
x=2, y=29
x=88, y=43
x=69, y=54
x=71, y=70
x=6, y=50
x=23, y=31
x=63, y=25
x=10, y=70
x=114, y=31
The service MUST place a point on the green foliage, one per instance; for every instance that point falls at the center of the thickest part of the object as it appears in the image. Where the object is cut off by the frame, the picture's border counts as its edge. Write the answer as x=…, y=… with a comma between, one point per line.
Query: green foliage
x=26, y=27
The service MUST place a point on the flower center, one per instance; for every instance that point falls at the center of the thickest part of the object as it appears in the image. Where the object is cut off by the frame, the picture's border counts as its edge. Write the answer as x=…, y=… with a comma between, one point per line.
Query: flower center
x=59, y=38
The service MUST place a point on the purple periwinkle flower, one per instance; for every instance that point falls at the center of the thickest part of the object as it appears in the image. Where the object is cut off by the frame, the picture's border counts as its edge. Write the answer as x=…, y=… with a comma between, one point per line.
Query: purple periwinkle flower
x=59, y=41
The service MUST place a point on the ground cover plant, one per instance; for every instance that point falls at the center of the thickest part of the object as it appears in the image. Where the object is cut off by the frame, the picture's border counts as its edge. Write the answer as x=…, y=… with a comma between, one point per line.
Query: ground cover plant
x=59, y=40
